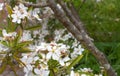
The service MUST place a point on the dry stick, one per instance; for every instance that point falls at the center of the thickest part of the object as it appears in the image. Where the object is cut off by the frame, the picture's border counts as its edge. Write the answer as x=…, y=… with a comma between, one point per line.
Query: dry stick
x=34, y=5
x=78, y=31
x=73, y=11
x=75, y=14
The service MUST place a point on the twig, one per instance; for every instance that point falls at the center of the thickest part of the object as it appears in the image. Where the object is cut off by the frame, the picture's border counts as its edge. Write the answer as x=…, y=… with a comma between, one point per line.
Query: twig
x=34, y=5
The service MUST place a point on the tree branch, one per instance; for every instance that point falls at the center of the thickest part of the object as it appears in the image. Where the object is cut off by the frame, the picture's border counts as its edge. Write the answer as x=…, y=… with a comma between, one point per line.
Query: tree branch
x=34, y=5
x=79, y=32
x=73, y=11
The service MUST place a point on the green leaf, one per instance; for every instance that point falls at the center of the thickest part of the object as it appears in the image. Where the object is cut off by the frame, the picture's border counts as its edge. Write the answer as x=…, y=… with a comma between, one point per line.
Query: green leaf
x=9, y=9
x=2, y=68
x=51, y=73
x=23, y=44
x=33, y=27
x=4, y=43
x=0, y=32
x=13, y=68
x=17, y=39
x=24, y=50
x=19, y=61
x=53, y=63
x=10, y=25
x=75, y=61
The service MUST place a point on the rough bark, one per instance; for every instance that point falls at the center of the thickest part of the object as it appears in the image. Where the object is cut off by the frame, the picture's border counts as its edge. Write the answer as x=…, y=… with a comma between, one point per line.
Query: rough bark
x=75, y=26
x=34, y=5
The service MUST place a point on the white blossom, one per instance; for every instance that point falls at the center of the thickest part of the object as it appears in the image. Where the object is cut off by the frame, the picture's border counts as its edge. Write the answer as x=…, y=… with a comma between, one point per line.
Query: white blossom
x=34, y=14
x=77, y=51
x=19, y=13
x=72, y=73
x=1, y=6
x=26, y=36
x=58, y=34
x=41, y=72
x=63, y=60
x=86, y=70
x=6, y=35
x=42, y=47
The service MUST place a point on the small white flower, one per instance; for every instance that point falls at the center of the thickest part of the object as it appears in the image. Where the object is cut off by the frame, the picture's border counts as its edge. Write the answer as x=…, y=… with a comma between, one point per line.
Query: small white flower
x=63, y=60
x=77, y=51
x=36, y=58
x=26, y=36
x=29, y=67
x=72, y=73
x=16, y=18
x=53, y=55
x=21, y=6
x=34, y=14
x=53, y=52
x=42, y=47
x=37, y=71
x=86, y=70
x=19, y=13
x=10, y=35
x=5, y=34
x=58, y=5
x=41, y=72
x=1, y=6
x=67, y=36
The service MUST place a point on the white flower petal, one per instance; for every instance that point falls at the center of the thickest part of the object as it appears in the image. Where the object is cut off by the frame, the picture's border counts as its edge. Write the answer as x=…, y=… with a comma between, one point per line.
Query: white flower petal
x=55, y=57
x=37, y=71
x=61, y=62
x=72, y=73
x=48, y=56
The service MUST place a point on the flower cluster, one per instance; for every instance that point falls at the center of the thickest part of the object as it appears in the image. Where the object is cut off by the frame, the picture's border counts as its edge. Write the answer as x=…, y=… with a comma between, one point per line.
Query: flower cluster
x=6, y=38
x=21, y=12
x=55, y=51
x=42, y=54
x=34, y=64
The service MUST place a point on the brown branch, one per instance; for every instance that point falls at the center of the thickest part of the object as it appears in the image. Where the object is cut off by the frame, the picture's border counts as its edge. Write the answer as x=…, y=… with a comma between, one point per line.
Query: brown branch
x=69, y=14
x=75, y=14
x=34, y=5
x=76, y=28
x=73, y=11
